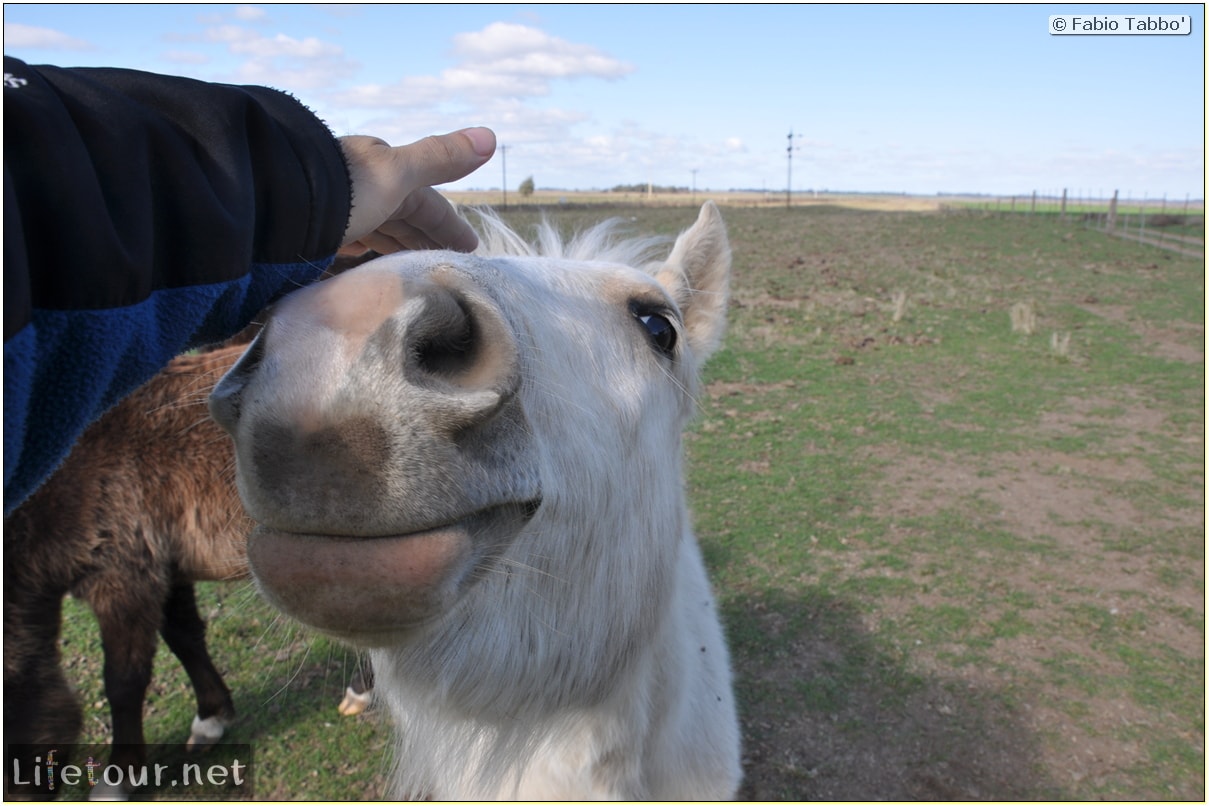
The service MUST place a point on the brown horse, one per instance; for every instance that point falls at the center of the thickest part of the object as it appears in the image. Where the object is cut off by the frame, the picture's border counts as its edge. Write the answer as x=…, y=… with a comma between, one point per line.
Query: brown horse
x=144, y=507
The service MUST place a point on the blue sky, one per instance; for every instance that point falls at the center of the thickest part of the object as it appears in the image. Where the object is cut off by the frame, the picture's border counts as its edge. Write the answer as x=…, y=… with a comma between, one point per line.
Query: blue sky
x=917, y=99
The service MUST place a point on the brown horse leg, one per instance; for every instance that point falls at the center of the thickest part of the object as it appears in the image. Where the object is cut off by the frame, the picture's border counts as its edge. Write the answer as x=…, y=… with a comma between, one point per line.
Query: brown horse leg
x=129, y=625
x=41, y=710
x=185, y=633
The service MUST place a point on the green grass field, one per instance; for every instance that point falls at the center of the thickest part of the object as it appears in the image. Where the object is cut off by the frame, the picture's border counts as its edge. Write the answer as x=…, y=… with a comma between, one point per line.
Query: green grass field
x=956, y=560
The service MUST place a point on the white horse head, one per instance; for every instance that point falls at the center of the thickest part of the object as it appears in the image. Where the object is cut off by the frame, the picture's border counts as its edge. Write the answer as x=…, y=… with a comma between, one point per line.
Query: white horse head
x=473, y=465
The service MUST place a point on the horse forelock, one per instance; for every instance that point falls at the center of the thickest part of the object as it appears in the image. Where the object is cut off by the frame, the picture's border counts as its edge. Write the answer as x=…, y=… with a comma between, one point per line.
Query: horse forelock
x=604, y=242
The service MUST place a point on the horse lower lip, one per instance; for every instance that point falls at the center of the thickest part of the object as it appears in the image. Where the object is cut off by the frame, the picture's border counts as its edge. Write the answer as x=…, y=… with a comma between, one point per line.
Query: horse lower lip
x=356, y=540
x=366, y=589
x=352, y=585
x=328, y=557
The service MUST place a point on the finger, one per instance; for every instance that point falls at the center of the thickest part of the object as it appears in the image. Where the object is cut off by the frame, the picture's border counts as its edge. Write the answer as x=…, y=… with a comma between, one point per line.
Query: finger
x=430, y=213
x=400, y=237
x=381, y=243
x=409, y=237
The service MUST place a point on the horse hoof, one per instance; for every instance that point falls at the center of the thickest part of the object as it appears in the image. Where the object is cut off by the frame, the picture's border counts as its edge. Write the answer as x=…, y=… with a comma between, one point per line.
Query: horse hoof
x=205, y=732
x=355, y=702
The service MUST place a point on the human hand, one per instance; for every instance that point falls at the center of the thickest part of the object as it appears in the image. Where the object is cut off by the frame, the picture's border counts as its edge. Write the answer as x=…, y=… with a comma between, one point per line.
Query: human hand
x=394, y=205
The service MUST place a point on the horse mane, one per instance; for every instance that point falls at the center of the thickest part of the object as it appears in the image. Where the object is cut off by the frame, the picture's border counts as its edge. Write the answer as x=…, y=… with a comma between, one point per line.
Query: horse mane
x=601, y=243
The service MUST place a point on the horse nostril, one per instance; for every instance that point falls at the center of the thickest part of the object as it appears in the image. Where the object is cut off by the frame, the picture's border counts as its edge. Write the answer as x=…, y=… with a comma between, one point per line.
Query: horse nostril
x=226, y=398
x=459, y=346
x=450, y=351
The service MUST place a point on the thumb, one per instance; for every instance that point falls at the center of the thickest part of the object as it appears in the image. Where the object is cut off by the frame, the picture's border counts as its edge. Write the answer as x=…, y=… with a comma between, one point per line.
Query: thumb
x=445, y=158
x=384, y=177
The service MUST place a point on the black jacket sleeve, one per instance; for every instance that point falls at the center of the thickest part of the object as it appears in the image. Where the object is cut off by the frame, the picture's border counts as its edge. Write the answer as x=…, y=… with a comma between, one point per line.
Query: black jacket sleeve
x=128, y=182
x=144, y=214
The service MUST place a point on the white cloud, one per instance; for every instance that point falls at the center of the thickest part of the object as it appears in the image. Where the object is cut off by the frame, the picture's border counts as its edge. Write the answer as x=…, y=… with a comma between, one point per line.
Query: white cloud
x=625, y=155
x=504, y=60
x=31, y=36
x=502, y=39
x=522, y=50
x=339, y=10
x=251, y=14
x=497, y=73
x=524, y=124
x=407, y=93
x=529, y=130
x=309, y=74
x=282, y=46
x=280, y=60
x=230, y=34
x=239, y=13
x=487, y=85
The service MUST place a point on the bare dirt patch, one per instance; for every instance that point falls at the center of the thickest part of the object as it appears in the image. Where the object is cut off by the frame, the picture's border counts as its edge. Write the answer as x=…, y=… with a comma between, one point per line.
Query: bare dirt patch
x=1097, y=555
x=1073, y=502
x=1177, y=341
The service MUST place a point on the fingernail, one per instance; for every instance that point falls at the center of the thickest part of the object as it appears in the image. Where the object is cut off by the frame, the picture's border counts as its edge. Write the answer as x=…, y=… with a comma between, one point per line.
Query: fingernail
x=482, y=140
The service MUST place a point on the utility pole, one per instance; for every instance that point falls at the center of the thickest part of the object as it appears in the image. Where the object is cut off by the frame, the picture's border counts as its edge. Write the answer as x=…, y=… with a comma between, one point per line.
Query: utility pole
x=694, y=185
x=789, y=176
x=504, y=162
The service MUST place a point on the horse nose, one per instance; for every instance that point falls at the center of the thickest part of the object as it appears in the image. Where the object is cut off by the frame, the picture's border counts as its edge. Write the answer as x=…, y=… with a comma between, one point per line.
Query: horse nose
x=367, y=385
x=434, y=340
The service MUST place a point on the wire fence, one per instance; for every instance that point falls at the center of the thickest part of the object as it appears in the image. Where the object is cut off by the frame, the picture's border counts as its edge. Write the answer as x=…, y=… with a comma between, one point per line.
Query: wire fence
x=1175, y=226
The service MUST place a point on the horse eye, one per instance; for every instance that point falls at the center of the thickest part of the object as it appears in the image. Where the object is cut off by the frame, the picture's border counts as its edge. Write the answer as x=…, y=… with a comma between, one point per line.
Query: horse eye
x=660, y=330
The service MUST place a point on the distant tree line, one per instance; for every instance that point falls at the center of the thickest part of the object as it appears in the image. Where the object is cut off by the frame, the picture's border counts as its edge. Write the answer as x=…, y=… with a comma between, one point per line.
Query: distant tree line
x=643, y=189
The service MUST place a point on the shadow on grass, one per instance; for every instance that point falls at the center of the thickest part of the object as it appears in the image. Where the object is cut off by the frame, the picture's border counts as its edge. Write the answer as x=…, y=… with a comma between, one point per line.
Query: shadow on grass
x=307, y=750
x=298, y=691
x=829, y=713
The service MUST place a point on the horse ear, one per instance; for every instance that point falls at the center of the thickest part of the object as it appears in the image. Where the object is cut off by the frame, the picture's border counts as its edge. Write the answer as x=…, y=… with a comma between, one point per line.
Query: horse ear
x=697, y=275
